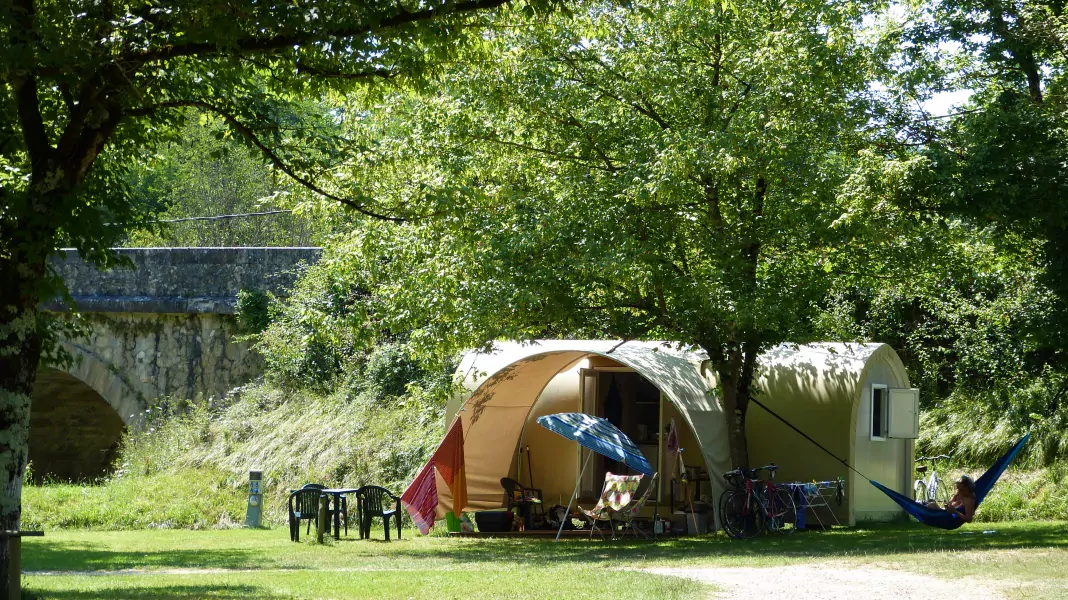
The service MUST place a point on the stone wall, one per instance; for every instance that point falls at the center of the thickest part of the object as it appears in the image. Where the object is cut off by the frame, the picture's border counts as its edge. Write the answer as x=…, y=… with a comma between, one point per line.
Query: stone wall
x=178, y=280
x=163, y=328
x=131, y=359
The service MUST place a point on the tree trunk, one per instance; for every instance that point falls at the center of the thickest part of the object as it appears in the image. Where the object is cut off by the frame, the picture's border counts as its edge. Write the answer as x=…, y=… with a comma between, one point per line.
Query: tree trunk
x=20, y=350
x=729, y=367
x=735, y=416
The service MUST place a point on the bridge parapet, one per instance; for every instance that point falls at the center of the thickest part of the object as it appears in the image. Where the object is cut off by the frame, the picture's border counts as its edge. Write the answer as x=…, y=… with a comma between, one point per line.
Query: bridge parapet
x=178, y=280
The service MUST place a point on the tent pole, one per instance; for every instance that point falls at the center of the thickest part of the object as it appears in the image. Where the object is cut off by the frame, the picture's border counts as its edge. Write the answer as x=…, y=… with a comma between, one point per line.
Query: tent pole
x=578, y=481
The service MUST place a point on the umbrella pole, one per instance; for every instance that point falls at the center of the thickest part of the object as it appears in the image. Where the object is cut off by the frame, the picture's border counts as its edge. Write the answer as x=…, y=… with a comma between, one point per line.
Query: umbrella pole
x=578, y=481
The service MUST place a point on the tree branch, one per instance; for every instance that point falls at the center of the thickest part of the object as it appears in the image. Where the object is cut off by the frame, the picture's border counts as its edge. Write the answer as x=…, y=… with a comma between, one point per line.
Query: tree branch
x=249, y=134
x=557, y=155
x=278, y=42
x=642, y=105
x=24, y=86
x=304, y=68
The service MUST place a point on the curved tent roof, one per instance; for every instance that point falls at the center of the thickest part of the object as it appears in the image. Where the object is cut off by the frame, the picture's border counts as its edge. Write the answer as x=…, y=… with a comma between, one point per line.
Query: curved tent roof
x=506, y=383
x=818, y=387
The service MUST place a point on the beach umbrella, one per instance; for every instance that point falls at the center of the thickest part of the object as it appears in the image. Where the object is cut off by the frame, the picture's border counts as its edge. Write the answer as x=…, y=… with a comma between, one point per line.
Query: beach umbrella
x=600, y=436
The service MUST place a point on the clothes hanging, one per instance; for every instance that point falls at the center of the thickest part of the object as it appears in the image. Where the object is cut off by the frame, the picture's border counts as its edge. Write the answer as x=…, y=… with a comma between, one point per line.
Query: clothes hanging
x=449, y=460
x=421, y=497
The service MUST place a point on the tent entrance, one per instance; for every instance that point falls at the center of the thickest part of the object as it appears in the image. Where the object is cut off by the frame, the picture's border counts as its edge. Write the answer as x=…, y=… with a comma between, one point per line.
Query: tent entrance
x=630, y=402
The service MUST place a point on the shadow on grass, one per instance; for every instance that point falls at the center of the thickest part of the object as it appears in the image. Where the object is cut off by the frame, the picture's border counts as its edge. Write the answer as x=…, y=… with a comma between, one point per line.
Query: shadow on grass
x=67, y=556
x=875, y=541
x=164, y=592
x=871, y=542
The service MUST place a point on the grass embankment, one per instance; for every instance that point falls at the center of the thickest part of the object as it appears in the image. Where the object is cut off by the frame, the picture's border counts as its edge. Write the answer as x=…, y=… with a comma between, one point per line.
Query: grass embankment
x=1030, y=558
x=191, y=470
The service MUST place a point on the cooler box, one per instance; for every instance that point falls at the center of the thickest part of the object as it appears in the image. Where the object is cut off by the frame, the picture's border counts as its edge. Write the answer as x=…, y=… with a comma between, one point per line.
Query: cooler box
x=494, y=521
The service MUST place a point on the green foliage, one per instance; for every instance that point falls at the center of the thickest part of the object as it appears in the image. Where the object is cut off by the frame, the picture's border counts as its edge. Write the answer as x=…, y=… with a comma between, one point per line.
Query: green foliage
x=969, y=319
x=320, y=329
x=207, y=172
x=253, y=311
x=1000, y=161
x=669, y=169
x=977, y=426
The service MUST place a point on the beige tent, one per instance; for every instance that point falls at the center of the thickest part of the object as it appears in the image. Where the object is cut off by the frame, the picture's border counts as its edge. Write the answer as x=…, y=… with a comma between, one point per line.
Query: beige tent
x=643, y=386
x=855, y=400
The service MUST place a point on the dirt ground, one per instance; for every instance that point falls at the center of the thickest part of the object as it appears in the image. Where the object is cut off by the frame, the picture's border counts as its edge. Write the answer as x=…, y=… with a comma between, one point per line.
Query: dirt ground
x=833, y=583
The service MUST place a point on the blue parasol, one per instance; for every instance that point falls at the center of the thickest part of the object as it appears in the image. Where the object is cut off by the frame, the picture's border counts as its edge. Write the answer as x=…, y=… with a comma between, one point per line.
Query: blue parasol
x=598, y=435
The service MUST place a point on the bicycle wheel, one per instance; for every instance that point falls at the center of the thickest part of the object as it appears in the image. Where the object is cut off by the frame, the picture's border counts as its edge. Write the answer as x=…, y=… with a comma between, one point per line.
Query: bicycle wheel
x=723, y=507
x=919, y=491
x=941, y=492
x=743, y=516
x=782, y=512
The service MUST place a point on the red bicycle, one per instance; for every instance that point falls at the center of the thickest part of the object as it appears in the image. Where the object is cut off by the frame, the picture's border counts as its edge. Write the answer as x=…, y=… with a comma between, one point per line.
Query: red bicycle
x=752, y=506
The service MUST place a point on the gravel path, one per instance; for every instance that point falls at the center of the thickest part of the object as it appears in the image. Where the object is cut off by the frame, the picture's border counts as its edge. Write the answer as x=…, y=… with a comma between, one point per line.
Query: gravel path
x=831, y=583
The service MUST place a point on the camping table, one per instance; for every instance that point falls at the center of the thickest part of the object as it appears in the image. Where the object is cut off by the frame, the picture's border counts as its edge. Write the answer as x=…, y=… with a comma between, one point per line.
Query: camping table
x=337, y=494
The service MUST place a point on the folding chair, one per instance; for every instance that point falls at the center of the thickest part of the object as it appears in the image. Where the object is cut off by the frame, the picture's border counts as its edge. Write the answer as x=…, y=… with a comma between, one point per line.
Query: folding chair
x=617, y=493
x=629, y=513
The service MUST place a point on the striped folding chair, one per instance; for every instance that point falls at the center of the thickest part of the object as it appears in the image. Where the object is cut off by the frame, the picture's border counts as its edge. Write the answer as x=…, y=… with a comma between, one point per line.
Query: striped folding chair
x=617, y=494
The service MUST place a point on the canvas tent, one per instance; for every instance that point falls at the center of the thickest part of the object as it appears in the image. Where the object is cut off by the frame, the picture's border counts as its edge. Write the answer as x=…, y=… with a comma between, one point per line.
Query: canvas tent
x=855, y=400
x=823, y=386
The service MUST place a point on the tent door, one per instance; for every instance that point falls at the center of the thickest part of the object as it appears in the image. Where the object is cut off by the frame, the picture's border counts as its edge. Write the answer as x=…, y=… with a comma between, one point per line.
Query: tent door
x=588, y=400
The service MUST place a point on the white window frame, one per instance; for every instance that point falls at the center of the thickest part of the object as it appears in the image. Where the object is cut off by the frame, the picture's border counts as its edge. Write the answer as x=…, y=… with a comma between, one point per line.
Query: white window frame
x=883, y=409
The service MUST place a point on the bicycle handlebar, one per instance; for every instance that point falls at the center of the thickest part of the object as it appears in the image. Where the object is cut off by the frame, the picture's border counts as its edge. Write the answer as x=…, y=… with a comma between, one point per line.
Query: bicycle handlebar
x=750, y=473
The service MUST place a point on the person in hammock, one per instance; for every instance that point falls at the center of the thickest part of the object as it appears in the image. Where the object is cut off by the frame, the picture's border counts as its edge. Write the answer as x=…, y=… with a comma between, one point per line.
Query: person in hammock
x=963, y=502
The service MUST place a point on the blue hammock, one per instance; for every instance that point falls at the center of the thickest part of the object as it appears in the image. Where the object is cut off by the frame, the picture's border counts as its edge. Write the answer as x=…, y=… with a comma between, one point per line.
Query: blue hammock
x=944, y=519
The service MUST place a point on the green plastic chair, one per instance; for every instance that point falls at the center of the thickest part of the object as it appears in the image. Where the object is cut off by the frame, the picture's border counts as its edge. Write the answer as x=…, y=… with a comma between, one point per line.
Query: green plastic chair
x=303, y=505
x=372, y=501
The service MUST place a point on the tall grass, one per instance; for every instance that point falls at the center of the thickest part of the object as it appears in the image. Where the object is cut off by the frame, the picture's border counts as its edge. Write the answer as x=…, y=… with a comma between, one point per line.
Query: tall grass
x=977, y=426
x=190, y=469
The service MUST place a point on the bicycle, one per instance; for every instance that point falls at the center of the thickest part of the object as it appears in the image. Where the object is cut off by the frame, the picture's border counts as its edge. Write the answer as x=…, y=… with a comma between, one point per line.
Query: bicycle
x=751, y=505
x=932, y=489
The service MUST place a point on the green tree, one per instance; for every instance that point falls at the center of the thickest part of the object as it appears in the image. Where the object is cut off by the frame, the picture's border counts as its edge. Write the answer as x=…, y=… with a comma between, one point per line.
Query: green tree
x=207, y=173
x=675, y=169
x=85, y=87
x=1001, y=160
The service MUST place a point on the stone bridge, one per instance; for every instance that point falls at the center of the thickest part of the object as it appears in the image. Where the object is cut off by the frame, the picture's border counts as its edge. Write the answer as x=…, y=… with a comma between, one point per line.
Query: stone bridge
x=165, y=328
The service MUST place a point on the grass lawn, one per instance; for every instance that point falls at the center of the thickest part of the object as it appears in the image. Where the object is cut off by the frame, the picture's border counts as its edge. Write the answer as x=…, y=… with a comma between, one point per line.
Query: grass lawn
x=173, y=564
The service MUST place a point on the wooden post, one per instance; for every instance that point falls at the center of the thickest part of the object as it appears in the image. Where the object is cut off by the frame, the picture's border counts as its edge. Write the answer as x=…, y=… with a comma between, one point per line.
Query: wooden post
x=14, y=573
x=13, y=540
x=321, y=524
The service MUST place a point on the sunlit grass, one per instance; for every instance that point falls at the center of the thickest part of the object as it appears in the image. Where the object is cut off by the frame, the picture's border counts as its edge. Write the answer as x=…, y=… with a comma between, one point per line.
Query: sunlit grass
x=264, y=563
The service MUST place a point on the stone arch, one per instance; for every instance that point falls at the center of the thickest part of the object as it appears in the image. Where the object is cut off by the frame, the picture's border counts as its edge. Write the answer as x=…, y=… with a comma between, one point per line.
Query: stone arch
x=109, y=382
x=74, y=432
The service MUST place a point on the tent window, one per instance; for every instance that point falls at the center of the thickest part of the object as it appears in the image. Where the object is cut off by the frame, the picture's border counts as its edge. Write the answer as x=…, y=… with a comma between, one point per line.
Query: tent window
x=878, y=411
